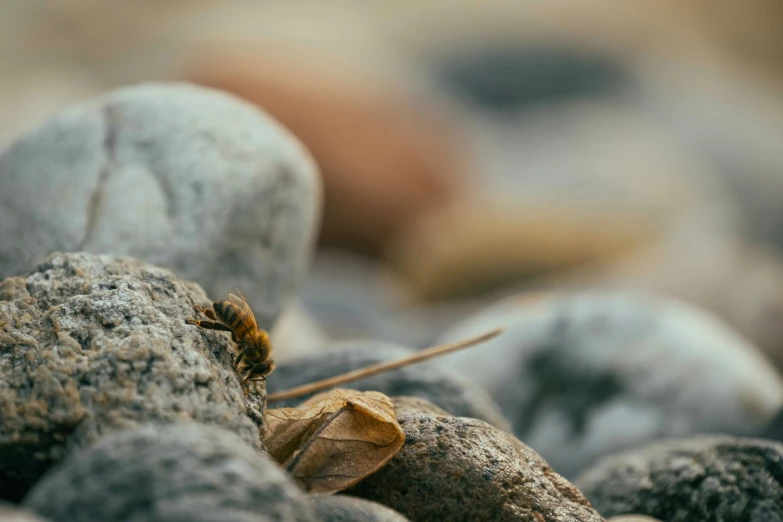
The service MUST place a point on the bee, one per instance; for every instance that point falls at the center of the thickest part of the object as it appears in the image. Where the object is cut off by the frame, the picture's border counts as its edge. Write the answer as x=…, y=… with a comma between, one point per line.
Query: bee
x=254, y=349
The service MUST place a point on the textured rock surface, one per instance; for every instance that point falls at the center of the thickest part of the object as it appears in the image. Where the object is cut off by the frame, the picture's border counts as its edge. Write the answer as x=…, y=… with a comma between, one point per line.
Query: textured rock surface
x=707, y=478
x=184, y=177
x=12, y=513
x=340, y=508
x=453, y=468
x=587, y=374
x=169, y=473
x=449, y=390
x=93, y=344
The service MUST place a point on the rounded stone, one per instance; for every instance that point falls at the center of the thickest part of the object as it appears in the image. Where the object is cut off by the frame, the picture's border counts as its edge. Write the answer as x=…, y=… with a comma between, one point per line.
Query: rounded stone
x=167, y=473
x=710, y=478
x=340, y=508
x=582, y=375
x=454, y=468
x=94, y=344
x=185, y=177
x=387, y=156
x=448, y=389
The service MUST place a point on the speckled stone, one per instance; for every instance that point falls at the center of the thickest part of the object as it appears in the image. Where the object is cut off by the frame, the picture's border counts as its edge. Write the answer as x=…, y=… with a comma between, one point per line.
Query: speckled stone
x=581, y=375
x=453, y=391
x=169, y=473
x=454, y=468
x=704, y=478
x=94, y=344
x=341, y=508
x=185, y=177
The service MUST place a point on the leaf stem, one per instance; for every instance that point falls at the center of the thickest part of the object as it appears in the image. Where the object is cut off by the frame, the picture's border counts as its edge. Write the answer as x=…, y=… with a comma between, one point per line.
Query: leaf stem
x=382, y=367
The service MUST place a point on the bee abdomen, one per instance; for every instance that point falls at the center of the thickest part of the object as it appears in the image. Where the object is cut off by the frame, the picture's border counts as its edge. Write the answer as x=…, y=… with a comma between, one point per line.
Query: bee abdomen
x=228, y=314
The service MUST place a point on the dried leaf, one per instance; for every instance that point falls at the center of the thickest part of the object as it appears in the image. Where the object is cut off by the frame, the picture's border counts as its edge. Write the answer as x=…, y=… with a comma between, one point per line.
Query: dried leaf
x=334, y=439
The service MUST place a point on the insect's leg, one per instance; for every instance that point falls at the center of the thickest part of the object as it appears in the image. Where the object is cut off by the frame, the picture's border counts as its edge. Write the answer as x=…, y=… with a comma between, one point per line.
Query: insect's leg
x=252, y=378
x=209, y=312
x=209, y=325
x=255, y=369
x=239, y=359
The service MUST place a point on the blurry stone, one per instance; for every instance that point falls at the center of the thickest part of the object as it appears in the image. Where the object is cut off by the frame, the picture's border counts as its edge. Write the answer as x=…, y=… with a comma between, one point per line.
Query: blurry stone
x=454, y=392
x=340, y=508
x=585, y=374
x=296, y=333
x=185, y=177
x=386, y=156
x=352, y=296
x=90, y=345
x=773, y=429
x=454, y=468
x=12, y=513
x=632, y=518
x=710, y=478
x=505, y=77
x=563, y=187
x=185, y=472
x=478, y=245
x=701, y=270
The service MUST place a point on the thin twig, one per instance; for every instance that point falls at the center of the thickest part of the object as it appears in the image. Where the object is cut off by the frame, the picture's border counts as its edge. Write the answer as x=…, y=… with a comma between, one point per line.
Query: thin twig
x=381, y=367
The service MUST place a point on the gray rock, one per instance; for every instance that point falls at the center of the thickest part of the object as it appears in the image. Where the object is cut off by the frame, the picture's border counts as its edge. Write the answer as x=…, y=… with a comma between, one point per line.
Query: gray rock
x=169, y=473
x=586, y=374
x=340, y=508
x=454, y=468
x=447, y=389
x=188, y=178
x=94, y=344
x=12, y=513
x=705, y=478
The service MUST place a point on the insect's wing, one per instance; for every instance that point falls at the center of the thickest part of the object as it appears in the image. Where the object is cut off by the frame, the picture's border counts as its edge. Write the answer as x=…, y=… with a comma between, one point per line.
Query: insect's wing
x=248, y=320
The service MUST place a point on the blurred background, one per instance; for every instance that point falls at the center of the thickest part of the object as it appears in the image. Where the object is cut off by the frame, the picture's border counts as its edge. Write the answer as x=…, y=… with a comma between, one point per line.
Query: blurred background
x=474, y=149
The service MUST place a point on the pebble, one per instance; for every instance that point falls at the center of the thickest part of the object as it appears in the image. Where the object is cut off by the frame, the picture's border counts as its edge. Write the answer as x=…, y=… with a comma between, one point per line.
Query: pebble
x=455, y=468
x=450, y=390
x=92, y=344
x=341, y=508
x=169, y=473
x=585, y=374
x=387, y=155
x=184, y=177
x=698, y=269
x=710, y=478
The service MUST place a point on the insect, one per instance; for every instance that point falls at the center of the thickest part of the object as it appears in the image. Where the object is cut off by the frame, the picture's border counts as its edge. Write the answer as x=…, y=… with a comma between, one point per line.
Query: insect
x=254, y=347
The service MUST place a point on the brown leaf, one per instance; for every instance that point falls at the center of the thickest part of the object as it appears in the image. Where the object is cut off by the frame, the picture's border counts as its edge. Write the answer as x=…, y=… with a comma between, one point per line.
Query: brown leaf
x=334, y=439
